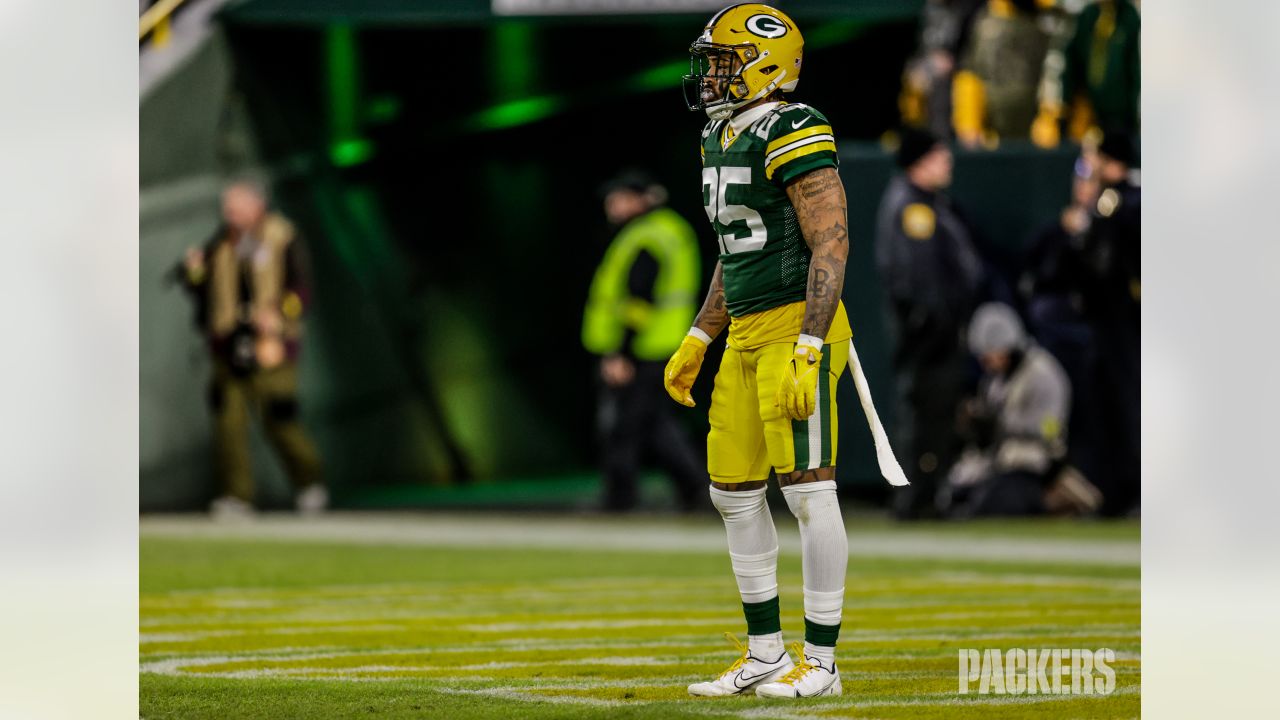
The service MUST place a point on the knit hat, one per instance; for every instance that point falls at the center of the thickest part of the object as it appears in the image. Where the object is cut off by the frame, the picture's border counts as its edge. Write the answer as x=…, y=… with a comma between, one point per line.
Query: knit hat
x=915, y=144
x=1118, y=145
x=995, y=327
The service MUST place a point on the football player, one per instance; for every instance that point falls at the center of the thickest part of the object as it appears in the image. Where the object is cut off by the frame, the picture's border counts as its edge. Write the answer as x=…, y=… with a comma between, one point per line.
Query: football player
x=777, y=206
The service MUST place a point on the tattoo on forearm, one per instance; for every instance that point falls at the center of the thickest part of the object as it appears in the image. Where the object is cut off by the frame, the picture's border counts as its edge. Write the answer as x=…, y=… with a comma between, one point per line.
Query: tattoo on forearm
x=819, y=201
x=714, y=315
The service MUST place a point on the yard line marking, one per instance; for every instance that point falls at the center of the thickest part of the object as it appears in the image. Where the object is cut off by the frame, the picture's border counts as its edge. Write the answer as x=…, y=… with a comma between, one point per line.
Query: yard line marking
x=513, y=694
x=703, y=537
x=601, y=624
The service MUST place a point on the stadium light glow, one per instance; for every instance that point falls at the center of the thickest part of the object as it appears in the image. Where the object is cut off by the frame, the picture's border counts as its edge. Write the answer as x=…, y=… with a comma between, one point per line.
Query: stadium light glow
x=517, y=112
x=516, y=40
x=514, y=59
x=346, y=147
x=346, y=153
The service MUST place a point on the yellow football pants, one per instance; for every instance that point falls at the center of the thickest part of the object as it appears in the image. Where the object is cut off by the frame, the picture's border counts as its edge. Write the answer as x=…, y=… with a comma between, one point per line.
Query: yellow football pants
x=749, y=434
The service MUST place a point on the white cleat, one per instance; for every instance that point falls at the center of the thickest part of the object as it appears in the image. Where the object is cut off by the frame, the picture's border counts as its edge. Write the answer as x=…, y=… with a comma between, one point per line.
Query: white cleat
x=312, y=500
x=229, y=508
x=744, y=674
x=808, y=679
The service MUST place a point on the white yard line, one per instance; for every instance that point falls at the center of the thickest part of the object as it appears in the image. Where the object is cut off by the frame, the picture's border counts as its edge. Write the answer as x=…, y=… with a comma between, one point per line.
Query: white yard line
x=629, y=535
x=515, y=694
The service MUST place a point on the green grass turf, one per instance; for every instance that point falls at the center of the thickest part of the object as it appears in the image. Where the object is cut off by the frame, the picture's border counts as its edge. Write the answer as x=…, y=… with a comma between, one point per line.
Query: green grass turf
x=274, y=629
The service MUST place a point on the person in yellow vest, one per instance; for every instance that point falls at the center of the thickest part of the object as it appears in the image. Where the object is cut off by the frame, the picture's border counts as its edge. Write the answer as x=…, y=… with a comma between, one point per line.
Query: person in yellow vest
x=249, y=291
x=638, y=311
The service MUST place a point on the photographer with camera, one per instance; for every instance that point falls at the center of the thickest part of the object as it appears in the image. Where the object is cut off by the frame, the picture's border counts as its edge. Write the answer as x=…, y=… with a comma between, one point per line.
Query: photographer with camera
x=248, y=286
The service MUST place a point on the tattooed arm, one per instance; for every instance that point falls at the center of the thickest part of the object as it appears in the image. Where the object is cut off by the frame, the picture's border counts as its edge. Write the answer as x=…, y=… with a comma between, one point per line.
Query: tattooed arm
x=818, y=198
x=713, y=316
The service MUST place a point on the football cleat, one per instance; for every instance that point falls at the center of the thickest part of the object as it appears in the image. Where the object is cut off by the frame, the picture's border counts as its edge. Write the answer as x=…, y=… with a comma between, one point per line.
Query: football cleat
x=229, y=508
x=312, y=500
x=811, y=678
x=744, y=674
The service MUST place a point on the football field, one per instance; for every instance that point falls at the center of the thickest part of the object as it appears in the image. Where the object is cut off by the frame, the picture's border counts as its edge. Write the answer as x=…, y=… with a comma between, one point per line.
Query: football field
x=538, y=616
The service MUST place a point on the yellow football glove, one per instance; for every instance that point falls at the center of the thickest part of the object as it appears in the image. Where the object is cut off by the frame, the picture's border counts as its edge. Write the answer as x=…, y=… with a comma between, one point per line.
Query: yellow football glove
x=799, y=387
x=682, y=369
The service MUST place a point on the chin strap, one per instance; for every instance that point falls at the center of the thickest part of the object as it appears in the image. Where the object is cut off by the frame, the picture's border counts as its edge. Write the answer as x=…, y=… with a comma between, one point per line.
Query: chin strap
x=724, y=109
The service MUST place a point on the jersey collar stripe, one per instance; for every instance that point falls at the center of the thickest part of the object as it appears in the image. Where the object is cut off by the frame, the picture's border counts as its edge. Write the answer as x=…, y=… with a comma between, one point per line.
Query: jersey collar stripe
x=792, y=137
x=784, y=149
x=799, y=152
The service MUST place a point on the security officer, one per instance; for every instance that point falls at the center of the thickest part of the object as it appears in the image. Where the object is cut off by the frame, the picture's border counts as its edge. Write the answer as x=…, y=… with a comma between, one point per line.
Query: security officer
x=1112, y=302
x=932, y=275
x=641, y=303
x=249, y=293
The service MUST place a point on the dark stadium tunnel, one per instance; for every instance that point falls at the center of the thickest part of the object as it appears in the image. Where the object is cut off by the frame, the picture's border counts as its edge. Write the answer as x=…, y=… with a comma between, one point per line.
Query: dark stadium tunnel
x=471, y=204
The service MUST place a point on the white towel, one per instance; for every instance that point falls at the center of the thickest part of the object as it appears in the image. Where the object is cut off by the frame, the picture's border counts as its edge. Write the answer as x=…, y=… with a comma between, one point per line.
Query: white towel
x=889, y=466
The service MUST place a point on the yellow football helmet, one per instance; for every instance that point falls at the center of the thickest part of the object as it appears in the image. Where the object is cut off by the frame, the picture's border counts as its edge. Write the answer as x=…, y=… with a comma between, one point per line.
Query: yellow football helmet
x=744, y=53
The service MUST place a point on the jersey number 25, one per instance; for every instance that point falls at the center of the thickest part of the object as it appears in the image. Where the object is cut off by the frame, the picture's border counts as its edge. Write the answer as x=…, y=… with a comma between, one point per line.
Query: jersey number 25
x=715, y=181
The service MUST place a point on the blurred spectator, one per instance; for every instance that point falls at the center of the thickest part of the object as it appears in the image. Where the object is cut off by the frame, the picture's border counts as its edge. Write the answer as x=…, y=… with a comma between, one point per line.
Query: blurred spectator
x=932, y=275
x=1016, y=426
x=1051, y=289
x=640, y=306
x=925, y=101
x=1112, y=297
x=1095, y=79
x=249, y=291
x=995, y=89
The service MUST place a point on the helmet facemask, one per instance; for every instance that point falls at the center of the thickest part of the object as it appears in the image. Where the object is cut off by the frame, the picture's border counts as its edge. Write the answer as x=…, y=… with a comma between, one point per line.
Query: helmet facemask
x=715, y=81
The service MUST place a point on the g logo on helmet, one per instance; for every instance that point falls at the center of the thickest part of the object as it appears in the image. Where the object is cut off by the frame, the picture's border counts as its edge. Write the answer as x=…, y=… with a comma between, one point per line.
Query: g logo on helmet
x=766, y=26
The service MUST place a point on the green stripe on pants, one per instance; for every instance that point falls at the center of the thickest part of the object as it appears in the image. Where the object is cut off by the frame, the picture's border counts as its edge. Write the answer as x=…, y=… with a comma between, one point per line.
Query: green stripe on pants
x=800, y=429
x=800, y=434
x=824, y=408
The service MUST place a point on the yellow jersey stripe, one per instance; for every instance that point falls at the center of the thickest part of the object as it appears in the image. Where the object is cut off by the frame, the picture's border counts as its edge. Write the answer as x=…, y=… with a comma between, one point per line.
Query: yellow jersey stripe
x=798, y=143
x=783, y=159
x=797, y=135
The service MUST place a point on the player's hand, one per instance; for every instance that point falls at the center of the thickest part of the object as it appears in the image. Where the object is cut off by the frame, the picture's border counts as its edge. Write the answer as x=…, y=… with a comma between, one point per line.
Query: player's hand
x=193, y=261
x=799, y=387
x=617, y=370
x=682, y=369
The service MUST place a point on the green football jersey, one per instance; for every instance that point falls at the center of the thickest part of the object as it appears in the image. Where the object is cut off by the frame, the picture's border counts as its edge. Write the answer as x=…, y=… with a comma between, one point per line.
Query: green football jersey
x=744, y=176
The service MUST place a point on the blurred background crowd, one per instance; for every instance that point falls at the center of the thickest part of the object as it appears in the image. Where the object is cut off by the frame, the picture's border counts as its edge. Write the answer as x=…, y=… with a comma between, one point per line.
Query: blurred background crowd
x=401, y=254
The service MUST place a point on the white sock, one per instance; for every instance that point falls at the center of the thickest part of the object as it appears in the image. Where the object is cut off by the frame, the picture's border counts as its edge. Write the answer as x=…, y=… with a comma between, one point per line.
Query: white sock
x=825, y=653
x=825, y=549
x=753, y=550
x=766, y=647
